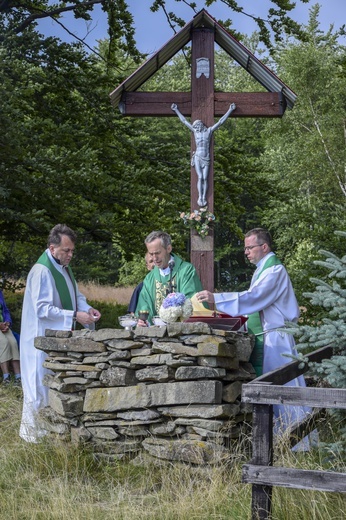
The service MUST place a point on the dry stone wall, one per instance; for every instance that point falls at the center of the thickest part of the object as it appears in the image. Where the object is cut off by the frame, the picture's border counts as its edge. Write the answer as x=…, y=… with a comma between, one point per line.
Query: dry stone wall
x=168, y=392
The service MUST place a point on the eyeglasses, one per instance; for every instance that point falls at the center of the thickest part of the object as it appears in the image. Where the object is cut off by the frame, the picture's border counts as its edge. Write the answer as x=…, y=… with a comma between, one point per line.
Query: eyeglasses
x=248, y=248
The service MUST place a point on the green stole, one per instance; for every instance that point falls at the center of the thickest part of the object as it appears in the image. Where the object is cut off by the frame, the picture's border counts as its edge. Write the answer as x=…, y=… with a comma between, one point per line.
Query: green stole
x=254, y=325
x=60, y=281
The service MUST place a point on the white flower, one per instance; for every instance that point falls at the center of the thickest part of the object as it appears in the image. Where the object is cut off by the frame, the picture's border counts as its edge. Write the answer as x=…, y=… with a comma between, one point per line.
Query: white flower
x=171, y=313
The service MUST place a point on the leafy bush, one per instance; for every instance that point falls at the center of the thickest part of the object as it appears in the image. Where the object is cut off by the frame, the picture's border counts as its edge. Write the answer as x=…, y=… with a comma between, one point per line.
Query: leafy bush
x=109, y=311
x=14, y=302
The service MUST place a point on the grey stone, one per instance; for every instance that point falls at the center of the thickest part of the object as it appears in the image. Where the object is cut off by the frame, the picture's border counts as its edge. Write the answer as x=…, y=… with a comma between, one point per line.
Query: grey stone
x=52, y=333
x=178, y=328
x=80, y=434
x=186, y=392
x=231, y=392
x=61, y=386
x=179, y=361
x=215, y=346
x=124, y=344
x=218, y=362
x=119, y=354
x=244, y=346
x=163, y=429
x=184, y=373
x=202, y=411
x=193, y=452
x=75, y=381
x=161, y=373
x=108, y=334
x=206, y=424
x=70, y=405
x=117, y=446
x=174, y=348
x=113, y=399
x=158, y=359
x=139, y=415
x=117, y=376
x=144, y=351
x=142, y=396
x=102, y=366
x=98, y=416
x=70, y=366
x=133, y=431
x=101, y=358
x=149, y=332
x=69, y=344
x=100, y=432
x=239, y=375
x=91, y=375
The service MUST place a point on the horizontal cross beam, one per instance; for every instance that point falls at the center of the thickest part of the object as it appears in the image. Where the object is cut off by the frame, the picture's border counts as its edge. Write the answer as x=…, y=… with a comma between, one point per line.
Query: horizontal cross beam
x=158, y=104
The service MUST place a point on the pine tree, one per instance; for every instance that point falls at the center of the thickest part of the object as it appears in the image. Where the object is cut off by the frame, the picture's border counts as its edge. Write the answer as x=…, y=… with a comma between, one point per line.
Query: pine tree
x=330, y=330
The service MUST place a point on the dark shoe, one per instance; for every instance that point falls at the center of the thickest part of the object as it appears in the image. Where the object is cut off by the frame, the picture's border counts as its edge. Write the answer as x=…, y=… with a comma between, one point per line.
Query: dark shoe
x=17, y=381
x=6, y=381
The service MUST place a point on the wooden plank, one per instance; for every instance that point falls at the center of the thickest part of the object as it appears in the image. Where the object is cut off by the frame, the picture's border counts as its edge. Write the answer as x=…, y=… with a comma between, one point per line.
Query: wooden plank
x=262, y=454
x=202, y=107
x=158, y=104
x=291, y=370
x=288, y=395
x=294, y=478
x=154, y=104
x=251, y=104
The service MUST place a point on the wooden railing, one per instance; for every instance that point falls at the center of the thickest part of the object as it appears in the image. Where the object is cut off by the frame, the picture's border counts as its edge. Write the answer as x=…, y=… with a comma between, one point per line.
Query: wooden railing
x=263, y=393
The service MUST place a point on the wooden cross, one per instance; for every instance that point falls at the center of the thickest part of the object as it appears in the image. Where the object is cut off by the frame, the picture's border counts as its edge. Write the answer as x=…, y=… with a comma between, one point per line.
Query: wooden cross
x=205, y=104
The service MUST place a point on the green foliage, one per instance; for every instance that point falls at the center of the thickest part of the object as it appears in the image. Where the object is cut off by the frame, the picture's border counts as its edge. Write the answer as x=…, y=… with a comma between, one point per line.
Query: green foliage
x=110, y=313
x=329, y=295
x=304, y=155
x=14, y=302
x=133, y=271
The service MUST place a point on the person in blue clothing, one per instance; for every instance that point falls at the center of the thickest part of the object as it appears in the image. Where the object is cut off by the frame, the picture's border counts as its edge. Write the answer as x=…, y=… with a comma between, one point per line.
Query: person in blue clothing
x=9, y=352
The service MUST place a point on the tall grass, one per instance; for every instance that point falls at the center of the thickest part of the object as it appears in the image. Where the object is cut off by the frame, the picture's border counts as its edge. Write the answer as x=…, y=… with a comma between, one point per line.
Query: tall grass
x=106, y=293
x=56, y=480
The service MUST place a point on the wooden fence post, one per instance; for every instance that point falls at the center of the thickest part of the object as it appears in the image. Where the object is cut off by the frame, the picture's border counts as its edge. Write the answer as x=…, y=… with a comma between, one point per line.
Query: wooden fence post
x=262, y=455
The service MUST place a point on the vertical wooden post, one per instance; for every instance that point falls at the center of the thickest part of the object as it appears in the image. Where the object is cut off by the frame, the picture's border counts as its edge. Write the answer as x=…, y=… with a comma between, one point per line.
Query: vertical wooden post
x=262, y=454
x=202, y=90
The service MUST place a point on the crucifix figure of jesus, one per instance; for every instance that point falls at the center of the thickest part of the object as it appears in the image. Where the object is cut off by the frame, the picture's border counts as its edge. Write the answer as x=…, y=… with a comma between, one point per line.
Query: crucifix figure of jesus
x=201, y=157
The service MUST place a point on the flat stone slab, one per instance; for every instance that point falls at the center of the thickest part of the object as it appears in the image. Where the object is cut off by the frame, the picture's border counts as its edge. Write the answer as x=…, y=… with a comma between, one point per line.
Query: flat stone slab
x=146, y=396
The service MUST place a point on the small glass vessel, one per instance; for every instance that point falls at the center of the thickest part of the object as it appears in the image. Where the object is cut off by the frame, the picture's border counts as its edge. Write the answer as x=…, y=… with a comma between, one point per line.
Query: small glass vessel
x=143, y=315
x=158, y=321
x=128, y=321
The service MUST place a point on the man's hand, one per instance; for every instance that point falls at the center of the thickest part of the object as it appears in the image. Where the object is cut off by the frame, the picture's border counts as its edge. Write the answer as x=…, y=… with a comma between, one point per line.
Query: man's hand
x=205, y=296
x=96, y=315
x=87, y=318
x=4, y=326
x=141, y=323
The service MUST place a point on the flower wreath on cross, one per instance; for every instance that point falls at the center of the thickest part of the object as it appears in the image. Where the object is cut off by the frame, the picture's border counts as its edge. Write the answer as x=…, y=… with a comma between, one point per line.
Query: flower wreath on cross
x=200, y=220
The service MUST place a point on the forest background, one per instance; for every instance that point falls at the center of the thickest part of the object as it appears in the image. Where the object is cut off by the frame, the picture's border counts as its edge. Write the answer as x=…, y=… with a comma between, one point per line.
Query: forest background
x=67, y=156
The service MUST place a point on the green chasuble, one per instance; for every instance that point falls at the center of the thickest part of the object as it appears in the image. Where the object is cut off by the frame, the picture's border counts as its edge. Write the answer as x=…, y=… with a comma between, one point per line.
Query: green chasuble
x=155, y=286
x=254, y=325
x=60, y=281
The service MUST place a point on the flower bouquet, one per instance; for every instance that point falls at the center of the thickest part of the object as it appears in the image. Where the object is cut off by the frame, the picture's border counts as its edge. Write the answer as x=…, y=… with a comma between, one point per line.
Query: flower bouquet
x=175, y=306
x=200, y=220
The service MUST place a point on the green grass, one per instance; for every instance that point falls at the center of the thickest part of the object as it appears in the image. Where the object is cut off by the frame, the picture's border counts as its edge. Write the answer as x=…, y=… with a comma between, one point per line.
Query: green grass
x=56, y=480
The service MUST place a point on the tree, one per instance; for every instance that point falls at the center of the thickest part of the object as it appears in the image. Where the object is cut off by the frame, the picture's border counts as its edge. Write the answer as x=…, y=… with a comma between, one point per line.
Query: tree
x=305, y=154
x=330, y=297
